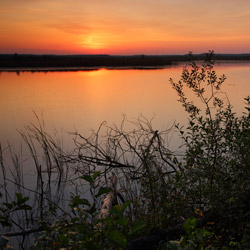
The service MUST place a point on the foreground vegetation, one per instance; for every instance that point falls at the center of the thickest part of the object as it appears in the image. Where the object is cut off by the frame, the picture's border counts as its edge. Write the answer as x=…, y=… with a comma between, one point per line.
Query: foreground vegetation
x=153, y=199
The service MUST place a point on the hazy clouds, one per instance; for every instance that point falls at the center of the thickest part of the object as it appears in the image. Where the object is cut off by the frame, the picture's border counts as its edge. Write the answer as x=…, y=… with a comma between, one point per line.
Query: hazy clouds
x=128, y=21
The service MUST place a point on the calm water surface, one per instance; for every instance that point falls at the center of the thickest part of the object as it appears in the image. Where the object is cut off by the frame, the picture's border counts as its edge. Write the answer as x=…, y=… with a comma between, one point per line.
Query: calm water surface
x=82, y=100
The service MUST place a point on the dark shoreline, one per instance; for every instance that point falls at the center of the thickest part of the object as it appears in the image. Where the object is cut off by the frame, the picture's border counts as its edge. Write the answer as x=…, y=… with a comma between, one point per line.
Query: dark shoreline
x=23, y=62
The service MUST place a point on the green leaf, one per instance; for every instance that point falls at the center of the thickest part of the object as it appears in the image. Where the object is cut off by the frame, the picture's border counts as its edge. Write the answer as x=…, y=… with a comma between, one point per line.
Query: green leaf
x=92, y=209
x=96, y=174
x=116, y=210
x=190, y=225
x=125, y=205
x=122, y=221
x=87, y=178
x=21, y=199
x=137, y=227
x=4, y=221
x=64, y=239
x=118, y=238
x=79, y=201
x=103, y=190
x=8, y=205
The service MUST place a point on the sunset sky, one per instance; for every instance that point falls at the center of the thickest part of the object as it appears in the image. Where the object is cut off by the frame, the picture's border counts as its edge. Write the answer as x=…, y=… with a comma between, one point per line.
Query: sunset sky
x=124, y=26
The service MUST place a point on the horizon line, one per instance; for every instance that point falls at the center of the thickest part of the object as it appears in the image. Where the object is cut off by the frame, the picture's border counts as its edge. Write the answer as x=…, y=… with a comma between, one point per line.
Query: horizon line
x=141, y=54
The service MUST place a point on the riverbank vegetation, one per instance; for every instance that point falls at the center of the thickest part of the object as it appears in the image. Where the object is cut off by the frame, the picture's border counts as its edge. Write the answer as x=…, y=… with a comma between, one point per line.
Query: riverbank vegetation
x=23, y=62
x=127, y=190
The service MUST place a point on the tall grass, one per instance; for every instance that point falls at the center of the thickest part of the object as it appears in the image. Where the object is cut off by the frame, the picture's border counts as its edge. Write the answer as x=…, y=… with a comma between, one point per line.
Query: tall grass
x=109, y=150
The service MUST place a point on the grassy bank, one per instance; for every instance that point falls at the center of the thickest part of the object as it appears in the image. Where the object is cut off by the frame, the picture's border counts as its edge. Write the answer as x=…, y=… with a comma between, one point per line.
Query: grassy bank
x=12, y=61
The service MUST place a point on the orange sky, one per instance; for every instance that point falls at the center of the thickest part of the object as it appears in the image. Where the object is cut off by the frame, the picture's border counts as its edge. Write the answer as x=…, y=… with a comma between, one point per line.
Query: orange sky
x=124, y=26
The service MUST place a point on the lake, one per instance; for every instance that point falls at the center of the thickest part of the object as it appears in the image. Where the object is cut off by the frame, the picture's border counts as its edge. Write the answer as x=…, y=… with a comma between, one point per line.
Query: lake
x=69, y=101
x=81, y=100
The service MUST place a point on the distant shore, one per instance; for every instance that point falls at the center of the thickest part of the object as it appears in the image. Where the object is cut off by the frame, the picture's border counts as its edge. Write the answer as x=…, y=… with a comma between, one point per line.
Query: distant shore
x=14, y=62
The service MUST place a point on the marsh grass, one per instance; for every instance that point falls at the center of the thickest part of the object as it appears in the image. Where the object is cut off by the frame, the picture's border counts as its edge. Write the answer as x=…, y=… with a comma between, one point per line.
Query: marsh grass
x=109, y=150
x=37, y=172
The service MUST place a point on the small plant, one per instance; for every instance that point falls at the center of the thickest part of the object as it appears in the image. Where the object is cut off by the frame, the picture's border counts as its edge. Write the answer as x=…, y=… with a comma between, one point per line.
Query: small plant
x=85, y=228
x=194, y=238
x=7, y=208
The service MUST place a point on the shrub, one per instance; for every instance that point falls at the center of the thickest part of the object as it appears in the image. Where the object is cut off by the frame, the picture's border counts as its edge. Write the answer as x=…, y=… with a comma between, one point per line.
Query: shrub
x=215, y=175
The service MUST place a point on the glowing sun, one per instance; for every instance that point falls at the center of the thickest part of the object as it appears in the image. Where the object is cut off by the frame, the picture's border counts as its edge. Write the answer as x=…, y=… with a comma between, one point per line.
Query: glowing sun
x=93, y=42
